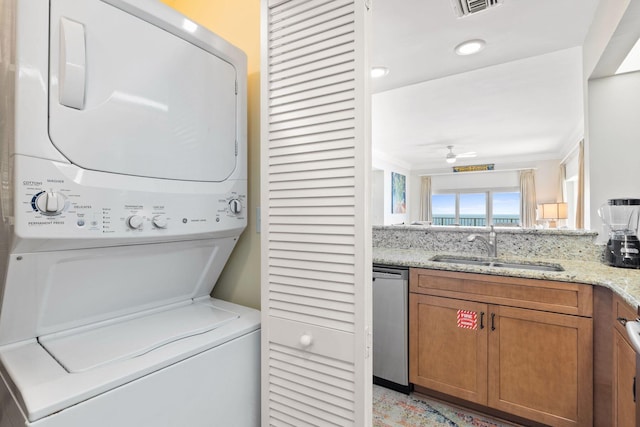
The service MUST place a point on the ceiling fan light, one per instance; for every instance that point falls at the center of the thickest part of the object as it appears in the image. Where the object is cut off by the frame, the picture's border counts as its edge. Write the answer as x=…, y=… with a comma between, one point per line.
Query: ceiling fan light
x=451, y=159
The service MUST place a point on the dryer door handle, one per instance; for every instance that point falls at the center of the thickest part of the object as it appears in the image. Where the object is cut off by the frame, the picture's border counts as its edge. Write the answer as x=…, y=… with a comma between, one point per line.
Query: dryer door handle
x=73, y=64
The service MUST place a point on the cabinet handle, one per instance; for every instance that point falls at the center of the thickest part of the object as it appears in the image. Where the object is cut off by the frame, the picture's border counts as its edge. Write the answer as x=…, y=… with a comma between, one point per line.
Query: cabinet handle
x=482, y=320
x=306, y=340
x=493, y=321
x=634, y=389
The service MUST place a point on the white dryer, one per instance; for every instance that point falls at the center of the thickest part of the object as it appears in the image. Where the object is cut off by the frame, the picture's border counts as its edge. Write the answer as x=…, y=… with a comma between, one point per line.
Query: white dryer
x=124, y=191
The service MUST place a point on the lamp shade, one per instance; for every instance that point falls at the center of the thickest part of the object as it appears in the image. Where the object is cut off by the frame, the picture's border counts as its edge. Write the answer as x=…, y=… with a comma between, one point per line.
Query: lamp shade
x=554, y=211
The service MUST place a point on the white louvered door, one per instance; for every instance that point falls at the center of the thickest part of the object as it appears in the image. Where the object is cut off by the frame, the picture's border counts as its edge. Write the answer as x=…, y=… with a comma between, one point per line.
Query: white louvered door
x=316, y=237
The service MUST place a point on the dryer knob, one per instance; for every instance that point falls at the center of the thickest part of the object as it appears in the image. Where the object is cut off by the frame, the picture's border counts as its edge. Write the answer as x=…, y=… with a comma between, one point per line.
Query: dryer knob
x=159, y=221
x=235, y=206
x=50, y=203
x=135, y=221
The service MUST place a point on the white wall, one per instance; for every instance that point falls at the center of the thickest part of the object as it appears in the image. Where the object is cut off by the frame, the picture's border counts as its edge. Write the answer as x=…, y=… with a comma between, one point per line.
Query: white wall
x=614, y=132
x=606, y=20
x=474, y=181
x=548, y=185
x=377, y=197
x=547, y=181
x=387, y=167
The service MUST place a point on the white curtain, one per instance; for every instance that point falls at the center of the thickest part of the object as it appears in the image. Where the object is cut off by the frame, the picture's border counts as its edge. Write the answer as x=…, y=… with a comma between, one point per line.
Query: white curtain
x=561, y=183
x=527, y=198
x=425, y=199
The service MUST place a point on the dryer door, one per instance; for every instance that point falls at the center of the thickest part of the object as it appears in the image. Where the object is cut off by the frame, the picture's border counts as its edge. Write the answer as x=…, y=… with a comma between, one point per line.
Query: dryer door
x=131, y=98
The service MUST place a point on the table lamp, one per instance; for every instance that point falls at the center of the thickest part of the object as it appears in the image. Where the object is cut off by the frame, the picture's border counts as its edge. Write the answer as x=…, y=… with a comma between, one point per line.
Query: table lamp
x=553, y=212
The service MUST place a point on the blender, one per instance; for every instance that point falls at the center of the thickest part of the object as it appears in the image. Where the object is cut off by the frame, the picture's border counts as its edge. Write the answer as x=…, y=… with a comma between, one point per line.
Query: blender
x=620, y=217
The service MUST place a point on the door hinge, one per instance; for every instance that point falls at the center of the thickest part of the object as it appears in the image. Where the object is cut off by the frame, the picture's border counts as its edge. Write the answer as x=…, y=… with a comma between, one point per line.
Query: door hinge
x=236, y=148
x=236, y=87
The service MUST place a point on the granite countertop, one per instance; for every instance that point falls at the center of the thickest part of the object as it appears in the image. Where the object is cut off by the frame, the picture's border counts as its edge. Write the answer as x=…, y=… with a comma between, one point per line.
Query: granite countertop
x=623, y=281
x=501, y=230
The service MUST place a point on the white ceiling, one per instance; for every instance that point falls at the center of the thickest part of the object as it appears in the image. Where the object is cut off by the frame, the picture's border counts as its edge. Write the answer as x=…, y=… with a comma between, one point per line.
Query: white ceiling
x=518, y=99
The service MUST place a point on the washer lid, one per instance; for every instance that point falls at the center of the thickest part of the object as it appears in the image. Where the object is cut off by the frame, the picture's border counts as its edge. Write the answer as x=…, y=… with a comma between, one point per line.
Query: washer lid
x=90, y=348
x=129, y=97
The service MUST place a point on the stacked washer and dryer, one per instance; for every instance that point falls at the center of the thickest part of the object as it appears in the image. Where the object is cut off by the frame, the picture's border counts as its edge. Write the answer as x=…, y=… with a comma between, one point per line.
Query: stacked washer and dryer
x=124, y=191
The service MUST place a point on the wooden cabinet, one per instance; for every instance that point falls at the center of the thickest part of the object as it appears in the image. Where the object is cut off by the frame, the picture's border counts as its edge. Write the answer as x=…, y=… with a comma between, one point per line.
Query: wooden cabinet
x=520, y=346
x=540, y=366
x=443, y=356
x=624, y=368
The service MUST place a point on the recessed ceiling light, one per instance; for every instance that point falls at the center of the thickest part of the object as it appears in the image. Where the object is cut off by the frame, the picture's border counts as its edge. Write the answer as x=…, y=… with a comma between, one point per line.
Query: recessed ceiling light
x=470, y=47
x=377, y=72
x=632, y=61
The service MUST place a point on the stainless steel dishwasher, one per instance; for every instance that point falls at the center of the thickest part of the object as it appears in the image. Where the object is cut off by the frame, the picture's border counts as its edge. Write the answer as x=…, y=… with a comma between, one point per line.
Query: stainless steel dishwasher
x=391, y=327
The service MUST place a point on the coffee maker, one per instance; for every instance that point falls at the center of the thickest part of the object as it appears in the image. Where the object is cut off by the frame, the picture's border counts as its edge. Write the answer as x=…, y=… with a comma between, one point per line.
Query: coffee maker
x=620, y=217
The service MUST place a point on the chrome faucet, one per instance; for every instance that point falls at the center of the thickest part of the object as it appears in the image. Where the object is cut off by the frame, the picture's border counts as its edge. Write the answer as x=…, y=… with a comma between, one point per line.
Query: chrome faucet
x=491, y=243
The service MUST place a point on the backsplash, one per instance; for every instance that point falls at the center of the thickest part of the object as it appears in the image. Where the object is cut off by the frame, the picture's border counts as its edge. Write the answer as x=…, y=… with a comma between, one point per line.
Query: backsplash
x=512, y=242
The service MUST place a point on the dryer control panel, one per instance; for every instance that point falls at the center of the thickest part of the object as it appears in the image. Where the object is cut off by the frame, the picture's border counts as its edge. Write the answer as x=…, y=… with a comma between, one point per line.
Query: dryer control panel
x=53, y=203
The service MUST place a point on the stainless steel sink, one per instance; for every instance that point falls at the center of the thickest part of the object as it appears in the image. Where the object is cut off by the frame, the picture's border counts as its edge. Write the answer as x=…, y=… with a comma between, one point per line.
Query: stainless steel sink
x=461, y=261
x=537, y=266
x=528, y=266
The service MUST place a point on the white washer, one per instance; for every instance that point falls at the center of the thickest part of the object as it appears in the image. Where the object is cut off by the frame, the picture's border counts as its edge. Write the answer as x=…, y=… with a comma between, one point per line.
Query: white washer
x=124, y=190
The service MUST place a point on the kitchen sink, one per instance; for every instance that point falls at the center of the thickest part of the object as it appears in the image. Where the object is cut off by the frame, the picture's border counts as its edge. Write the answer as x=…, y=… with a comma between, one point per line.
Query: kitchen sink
x=528, y=266
x=537, y=266
x=461, y=261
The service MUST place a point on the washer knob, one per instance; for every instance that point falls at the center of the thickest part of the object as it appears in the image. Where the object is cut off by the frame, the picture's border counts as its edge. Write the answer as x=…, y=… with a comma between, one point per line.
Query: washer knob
x=50, y=203
x=159, y=221
x=235, y=206
x=136, y=222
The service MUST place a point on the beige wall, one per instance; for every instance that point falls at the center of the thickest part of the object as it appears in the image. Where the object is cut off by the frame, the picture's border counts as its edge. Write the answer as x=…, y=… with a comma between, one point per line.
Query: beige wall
x=238, y=21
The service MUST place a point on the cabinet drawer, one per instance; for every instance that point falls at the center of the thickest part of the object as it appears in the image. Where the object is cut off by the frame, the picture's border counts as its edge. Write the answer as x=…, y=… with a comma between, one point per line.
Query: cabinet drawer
x=545, y=295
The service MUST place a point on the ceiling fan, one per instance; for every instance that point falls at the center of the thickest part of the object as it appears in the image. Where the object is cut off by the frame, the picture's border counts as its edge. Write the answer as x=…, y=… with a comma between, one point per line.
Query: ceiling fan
x=451, y=156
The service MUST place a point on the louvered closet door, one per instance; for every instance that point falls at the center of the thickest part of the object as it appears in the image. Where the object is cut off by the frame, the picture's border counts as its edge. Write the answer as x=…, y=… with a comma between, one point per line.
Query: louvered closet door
x=316, y=256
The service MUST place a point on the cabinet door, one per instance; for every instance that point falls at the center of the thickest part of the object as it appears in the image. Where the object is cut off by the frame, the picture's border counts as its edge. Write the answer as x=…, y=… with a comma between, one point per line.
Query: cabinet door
x=624, y=367
x=541, y=366
x=316, y=234
x=624, y=371
x=446, y=354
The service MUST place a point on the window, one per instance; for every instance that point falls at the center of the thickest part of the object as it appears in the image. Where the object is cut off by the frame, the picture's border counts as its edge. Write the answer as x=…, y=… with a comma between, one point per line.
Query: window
x=473, y=209
x=506, y=208
x=476, y=209
x=443, y=209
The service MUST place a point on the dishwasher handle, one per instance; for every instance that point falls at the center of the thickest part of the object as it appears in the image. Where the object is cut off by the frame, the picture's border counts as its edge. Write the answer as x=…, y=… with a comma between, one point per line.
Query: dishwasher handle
x=386, y=275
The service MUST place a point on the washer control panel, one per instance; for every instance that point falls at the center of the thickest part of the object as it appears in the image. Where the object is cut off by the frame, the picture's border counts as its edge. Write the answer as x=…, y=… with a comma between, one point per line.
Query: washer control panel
x=48, y=206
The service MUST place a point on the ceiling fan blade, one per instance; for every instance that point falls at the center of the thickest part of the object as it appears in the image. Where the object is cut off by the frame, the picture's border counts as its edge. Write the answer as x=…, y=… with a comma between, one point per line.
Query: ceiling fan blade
x=469, y=154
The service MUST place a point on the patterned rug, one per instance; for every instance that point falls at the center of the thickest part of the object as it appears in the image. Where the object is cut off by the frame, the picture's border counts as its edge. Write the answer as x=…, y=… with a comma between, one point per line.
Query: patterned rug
x=393, y=409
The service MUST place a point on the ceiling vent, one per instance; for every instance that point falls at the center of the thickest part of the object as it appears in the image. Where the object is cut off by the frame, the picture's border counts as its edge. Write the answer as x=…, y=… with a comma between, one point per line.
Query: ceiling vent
x=469, y=7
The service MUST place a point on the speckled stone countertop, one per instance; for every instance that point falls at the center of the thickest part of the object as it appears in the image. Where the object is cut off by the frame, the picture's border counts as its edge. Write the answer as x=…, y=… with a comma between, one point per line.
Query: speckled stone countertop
x=581, y=262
